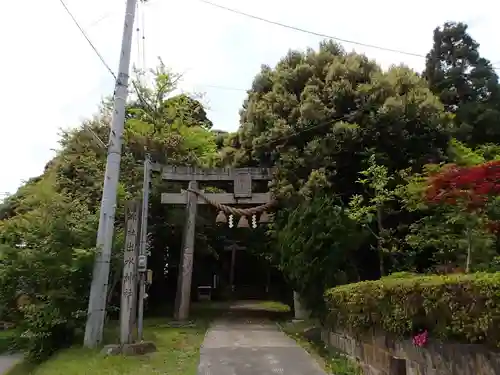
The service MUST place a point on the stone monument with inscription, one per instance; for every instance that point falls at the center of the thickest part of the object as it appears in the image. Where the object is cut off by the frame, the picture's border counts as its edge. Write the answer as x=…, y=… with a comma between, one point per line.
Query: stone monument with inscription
x=129, y=278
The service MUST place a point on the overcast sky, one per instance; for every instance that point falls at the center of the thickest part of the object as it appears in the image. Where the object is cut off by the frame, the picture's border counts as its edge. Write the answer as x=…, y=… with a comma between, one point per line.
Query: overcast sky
x=52, y=79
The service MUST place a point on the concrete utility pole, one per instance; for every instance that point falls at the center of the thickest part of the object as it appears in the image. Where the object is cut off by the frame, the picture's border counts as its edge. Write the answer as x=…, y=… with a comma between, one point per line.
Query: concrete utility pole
x=99, y=286
x=143, y=256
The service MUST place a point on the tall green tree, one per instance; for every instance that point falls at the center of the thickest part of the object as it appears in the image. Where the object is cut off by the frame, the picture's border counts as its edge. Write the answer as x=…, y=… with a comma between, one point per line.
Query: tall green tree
x=318, y=115
x=315, y=244
x=466, y=83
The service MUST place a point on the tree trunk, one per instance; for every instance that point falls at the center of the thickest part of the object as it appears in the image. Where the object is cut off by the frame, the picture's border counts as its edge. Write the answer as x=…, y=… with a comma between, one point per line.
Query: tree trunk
x=115, y=279
x=112, y=286
x=379, y=241
x=469, y=250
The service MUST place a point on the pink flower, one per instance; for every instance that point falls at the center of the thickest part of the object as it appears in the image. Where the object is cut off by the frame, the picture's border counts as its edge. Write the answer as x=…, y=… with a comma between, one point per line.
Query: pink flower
x=421, y=339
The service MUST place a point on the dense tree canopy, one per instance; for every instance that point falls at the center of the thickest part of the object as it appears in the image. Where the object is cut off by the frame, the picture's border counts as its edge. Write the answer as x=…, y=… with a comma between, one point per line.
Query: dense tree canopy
x=323, y=110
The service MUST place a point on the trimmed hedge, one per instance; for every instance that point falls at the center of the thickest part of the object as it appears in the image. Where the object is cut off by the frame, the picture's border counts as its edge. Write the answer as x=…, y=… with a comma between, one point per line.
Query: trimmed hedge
x=463, y=308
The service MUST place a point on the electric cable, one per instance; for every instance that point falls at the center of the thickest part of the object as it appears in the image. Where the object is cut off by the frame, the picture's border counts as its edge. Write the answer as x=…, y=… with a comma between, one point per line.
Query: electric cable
x=87, y=38
x=315, y=33
x=230, y=88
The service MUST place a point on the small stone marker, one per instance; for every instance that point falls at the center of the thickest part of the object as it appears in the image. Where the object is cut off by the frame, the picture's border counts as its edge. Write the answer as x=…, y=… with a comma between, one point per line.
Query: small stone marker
x=140, y=348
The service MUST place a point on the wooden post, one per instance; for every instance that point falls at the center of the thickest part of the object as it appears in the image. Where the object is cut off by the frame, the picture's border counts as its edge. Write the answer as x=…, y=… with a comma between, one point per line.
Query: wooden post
x=129, y=278
x=186, y=264
x=268, y=280
x=143, y=252
x=234, y=248
x=231, y=272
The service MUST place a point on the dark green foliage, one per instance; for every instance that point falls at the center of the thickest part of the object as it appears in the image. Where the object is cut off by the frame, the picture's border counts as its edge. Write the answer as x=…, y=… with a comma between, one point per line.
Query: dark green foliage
x=464, y=308
x=10, y=340
x=315, y=244
x=51, y=265
x=466, y=84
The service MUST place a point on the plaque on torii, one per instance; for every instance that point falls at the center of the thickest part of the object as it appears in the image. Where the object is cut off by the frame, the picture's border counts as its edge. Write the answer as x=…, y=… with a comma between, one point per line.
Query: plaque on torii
x=242, y=195
x=241, y=177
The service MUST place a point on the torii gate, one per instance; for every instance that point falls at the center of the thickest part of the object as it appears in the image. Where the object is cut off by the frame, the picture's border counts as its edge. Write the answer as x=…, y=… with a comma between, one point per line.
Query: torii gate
x=242, y=195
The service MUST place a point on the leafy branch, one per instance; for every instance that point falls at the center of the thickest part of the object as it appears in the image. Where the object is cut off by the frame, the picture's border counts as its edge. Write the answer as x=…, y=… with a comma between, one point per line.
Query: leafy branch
x=370, y=209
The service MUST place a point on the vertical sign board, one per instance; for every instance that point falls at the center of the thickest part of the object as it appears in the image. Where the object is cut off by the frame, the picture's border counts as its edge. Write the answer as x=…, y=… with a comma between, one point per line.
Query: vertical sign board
x=129, y=278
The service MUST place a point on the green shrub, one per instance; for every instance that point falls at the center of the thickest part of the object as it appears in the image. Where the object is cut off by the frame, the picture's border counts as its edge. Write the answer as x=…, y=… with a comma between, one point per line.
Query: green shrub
x=464, y=308
x=47, y=329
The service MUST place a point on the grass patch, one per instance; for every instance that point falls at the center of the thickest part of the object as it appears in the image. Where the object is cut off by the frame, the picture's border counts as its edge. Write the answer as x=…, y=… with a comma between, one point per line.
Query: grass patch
x=274, y=306
x=252, y=309
x=334, y=362
x=178, y=354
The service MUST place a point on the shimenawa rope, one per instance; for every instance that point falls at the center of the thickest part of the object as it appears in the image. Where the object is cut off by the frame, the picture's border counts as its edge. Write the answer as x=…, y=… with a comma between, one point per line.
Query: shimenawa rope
x=233, y=210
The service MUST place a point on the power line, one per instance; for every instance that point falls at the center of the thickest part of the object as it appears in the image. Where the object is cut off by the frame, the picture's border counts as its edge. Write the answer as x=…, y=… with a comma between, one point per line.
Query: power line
x=305, y=130
x=102, y=18
x=82, y=31
x=315, y=33
x=347, y=117
x=221, y=87
x=87, y=38
x=141, y=38
x=212, y=86
x=98, y=54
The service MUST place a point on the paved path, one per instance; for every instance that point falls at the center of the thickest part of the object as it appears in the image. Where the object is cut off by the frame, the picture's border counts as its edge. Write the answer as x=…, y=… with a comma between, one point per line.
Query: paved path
x=253, y=348
x=7, y=361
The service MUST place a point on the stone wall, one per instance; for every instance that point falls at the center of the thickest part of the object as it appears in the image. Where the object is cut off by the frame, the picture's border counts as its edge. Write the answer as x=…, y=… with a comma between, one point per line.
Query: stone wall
x=378, y=354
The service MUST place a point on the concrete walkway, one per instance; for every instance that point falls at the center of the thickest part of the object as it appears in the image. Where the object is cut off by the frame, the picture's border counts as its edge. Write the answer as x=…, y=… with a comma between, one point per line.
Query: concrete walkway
x=7, y=361
x=234, y=347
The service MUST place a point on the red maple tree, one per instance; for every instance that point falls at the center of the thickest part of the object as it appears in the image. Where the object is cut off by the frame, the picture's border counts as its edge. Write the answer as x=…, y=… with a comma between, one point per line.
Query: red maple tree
x=476, y=183
x=471, y=186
